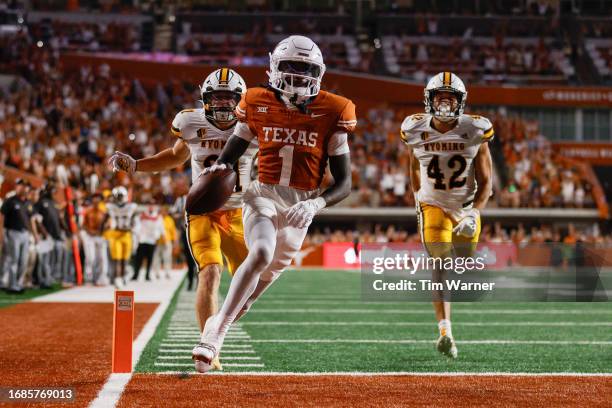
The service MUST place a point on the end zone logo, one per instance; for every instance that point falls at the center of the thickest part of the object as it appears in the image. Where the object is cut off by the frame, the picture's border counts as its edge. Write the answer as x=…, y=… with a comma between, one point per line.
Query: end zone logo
x=124, y=303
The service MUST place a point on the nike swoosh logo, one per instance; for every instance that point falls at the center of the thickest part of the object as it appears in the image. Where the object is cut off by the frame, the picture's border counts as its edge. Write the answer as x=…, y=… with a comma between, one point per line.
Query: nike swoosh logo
x=314, y=115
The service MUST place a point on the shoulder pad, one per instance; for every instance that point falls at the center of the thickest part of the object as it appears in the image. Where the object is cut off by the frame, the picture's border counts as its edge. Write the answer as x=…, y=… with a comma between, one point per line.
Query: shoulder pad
x=410, y=125
x=179, y=122
x=413, y=121
x=483, y=126
x=480, y=122
x=252, y=95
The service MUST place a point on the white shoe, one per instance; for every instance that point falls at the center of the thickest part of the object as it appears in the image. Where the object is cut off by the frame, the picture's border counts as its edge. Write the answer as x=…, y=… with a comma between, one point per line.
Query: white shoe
x=118, y=282
x=203, y=355
x=207, y=351
x=446, y=345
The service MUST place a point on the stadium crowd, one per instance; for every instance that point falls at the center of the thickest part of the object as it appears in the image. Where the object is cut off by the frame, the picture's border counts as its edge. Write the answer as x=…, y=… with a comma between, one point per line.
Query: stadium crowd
x=60, y=126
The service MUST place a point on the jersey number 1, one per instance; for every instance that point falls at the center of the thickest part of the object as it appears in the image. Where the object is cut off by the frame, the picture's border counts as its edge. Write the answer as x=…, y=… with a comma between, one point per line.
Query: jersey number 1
x=286, y=155
x=433, y=171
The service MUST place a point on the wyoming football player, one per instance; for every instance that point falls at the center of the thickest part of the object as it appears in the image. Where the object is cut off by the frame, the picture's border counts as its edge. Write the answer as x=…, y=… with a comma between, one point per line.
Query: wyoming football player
x=450, y=173
x=201, y=134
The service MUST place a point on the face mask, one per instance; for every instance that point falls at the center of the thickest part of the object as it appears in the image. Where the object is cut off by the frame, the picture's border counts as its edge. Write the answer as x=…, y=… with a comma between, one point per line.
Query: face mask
x=444, y=112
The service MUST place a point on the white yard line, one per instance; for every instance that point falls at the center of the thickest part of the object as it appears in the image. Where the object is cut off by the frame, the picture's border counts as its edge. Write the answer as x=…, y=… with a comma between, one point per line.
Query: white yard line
x=191, y=344
x=460, y=323
x=112, y=389
x=394, y=373
x=224, y=364
x=408, y=341
x=188, y=350
x=409, y=311
x=223, y=358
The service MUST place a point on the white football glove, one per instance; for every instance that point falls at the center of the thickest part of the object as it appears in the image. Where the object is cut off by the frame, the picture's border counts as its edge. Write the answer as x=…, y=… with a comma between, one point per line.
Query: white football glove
x=300, y=215
x=122, y=162
x=468, y=224
x=213, y=168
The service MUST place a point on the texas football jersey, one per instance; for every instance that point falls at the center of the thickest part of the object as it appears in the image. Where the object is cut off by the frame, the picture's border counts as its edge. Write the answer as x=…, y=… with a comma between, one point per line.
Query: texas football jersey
x=121, y=216
x=205, y=142
x=446, y=159
x=294, y=145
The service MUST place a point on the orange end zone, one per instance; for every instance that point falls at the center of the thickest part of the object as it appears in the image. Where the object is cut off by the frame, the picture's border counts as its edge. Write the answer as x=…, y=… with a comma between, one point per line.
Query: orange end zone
x=61, y=345
x=374, y=391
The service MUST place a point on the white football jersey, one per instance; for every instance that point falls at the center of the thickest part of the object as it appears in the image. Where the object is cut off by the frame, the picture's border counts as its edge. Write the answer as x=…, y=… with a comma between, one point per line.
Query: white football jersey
x=122, y=216
x=447, y=159
x=205, y=143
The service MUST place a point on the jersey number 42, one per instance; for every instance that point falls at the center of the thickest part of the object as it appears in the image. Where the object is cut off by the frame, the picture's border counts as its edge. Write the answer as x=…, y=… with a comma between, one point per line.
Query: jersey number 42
x=433, y=172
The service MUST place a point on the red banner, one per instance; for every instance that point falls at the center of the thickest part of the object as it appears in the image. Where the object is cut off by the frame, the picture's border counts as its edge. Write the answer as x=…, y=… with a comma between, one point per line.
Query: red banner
x=594, y=153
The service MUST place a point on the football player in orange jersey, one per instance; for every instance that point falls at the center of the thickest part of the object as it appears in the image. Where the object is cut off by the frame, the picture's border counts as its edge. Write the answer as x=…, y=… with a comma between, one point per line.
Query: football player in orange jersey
x=299, y=129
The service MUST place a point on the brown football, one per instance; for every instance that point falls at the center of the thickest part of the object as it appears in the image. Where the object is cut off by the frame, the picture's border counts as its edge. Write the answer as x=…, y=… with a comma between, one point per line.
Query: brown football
x=210, y=191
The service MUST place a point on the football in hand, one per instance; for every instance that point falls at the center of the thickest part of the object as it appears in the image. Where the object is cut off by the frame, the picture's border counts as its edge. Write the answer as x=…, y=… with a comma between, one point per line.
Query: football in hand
x=210, y=191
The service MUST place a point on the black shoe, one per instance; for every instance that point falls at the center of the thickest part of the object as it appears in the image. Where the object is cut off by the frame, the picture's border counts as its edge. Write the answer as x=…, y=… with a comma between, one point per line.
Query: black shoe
x=15, y=291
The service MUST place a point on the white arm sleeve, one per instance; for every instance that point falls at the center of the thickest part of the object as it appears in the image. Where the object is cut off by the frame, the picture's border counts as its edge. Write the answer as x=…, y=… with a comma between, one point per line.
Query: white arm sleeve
x=338, y=144
x=243, y=131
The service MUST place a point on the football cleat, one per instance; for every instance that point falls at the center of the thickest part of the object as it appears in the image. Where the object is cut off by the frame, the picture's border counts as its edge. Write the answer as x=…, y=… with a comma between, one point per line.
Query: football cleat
x=206, y=353
x=204, y=356
x=446, y=345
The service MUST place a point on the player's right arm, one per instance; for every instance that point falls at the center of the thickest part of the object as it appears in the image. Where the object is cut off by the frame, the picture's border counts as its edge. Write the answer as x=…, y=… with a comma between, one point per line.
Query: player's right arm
x=414, y=171
x=167, y=159
x=408, y=137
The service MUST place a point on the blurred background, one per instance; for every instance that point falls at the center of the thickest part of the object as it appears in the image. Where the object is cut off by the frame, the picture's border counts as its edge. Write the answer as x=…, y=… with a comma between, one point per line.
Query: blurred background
x=81, y=79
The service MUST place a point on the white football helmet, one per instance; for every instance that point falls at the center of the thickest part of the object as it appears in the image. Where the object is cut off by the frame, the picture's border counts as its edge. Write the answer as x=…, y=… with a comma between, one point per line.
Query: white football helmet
x=449, y=82
x=120, y=194
x=296, y=68
x=221, y=92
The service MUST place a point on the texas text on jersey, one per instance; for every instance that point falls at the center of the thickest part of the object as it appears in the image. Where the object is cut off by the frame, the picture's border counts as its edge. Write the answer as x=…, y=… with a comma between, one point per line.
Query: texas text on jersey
x=447, y=159
x=205, y=143
x=294, y=145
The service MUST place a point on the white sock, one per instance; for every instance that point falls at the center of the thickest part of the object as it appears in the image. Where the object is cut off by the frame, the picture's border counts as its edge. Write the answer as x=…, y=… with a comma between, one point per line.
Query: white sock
x=243, y=283
x=444, y=326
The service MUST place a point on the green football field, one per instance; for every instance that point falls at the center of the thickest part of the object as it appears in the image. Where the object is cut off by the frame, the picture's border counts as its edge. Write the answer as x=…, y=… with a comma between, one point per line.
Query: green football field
x=315, y=321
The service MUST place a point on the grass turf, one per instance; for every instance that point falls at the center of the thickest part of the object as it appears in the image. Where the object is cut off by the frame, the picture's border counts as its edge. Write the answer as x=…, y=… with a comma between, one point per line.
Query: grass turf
x=8, y=299
x=318, y=305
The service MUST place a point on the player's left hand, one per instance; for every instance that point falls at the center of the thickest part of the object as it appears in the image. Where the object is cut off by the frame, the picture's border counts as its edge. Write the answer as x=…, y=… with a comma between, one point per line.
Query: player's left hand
x=468, y=224
x=122, y=162
x=300, y=215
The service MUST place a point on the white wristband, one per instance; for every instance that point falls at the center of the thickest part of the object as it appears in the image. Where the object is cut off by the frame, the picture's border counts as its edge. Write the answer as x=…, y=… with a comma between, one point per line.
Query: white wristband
x=319, y=203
